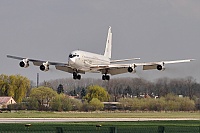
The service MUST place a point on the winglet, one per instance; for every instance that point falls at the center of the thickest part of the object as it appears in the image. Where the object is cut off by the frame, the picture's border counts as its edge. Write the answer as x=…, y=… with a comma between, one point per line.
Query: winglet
x=192, y=59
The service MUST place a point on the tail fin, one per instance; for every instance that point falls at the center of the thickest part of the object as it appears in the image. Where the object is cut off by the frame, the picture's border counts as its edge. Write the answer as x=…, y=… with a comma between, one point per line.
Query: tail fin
x=108, y=48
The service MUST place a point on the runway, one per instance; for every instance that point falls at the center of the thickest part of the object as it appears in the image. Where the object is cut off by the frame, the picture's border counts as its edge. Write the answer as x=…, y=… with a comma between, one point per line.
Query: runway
x=31, y=120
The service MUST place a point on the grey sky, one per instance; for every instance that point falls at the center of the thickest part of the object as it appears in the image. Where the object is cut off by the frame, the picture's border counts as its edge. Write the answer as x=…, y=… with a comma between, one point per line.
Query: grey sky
x=153, y=30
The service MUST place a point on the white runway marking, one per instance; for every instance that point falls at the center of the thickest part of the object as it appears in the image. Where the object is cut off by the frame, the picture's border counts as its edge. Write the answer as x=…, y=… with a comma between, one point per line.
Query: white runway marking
x=23, y=120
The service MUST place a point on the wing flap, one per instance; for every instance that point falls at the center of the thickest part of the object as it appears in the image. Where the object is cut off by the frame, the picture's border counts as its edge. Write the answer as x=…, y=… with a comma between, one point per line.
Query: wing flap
x=117, y=70
x=68, y=69
x=113, y=69
x=37, y=63
x=64, y=68
x=149, y=67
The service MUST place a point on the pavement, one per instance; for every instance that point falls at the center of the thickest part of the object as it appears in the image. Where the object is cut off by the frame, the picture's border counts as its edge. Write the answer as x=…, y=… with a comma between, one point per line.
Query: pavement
x=24, y=120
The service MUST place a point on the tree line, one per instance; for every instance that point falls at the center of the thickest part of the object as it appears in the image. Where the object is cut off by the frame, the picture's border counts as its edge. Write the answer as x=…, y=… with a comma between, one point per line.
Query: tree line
x=131, y=87
x=45, y=98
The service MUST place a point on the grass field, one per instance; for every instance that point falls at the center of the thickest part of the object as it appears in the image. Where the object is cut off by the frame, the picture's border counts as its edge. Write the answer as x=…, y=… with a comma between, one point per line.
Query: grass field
x=43, y=114
x=106, y=127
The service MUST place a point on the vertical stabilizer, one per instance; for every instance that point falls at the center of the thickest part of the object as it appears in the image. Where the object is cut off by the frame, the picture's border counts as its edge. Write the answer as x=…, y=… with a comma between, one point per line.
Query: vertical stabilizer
x=108, y=48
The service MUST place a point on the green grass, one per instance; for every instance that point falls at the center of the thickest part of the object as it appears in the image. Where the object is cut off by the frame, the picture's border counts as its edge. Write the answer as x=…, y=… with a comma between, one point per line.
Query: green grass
x=90, y=127
x=43, y=114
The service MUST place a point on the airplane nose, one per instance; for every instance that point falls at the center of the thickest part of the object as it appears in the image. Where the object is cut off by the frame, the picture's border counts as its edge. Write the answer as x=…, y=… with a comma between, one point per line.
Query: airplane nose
x=72, y=60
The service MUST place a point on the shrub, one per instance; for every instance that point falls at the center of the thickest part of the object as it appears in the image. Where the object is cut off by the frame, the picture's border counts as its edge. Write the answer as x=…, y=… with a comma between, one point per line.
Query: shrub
x=95, y=104
x=170, y=102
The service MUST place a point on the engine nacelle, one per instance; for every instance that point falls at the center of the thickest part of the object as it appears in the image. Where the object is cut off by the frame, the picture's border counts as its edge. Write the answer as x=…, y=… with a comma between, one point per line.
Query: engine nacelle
x=44, y=66
x=161, y=67
x=131, y=69
x=24, y=63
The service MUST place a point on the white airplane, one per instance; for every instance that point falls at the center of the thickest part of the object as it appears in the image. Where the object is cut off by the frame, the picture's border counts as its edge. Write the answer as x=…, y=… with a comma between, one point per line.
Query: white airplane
x=80, y=62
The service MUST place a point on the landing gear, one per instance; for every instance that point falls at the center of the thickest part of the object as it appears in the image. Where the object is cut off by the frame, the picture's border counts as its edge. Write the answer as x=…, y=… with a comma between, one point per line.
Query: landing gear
x=105, y=77
x=76, y=76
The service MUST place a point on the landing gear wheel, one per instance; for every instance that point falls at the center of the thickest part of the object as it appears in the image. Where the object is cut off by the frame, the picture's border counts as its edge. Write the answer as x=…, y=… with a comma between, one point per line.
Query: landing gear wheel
x=130, y=69
x=78, y=77
x=74, y=75
x=105, y=77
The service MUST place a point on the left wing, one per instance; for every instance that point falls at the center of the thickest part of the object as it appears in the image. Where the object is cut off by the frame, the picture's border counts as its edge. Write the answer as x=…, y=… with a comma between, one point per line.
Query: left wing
x=114, y=69
x=160, y=65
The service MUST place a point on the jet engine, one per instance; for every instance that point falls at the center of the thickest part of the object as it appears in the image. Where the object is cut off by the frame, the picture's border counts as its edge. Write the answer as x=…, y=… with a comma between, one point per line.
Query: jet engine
x=24, y=63
x=44, y=66
x=161, y=67
x=131, y=69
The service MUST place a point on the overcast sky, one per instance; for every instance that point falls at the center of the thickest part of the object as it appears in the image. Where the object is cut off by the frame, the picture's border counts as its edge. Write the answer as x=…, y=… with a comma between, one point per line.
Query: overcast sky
x=154, y=30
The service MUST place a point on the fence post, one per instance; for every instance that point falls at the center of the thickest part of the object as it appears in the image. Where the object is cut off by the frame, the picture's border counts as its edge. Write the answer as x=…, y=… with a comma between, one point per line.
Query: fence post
x=59, y=130
x=161, y=129
x=199, y=129
x=113, y=129
x=27, y=126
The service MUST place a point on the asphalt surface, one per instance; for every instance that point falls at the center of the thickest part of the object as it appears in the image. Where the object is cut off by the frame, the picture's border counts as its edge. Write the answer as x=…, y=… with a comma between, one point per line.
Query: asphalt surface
x=23, y=120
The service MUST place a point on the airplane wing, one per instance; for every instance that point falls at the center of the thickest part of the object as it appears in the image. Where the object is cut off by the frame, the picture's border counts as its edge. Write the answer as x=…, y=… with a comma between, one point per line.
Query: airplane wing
x=36, y=62
x=115, y=69
x=160, y=65
x=44, y=65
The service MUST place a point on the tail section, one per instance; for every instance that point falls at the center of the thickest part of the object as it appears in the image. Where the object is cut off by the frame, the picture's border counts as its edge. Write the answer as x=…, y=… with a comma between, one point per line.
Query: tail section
x=108, y=48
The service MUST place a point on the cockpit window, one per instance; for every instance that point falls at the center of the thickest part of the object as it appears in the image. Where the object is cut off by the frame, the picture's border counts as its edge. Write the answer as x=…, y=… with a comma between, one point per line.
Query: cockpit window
x=73, y=55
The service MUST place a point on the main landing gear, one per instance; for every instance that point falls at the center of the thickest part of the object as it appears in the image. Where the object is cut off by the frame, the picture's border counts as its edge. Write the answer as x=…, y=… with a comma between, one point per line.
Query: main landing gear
x=105, y=77
x=76, y=76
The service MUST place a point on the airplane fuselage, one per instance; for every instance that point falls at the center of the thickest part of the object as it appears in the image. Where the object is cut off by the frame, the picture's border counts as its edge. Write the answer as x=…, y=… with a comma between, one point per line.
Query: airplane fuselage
x=82, y=60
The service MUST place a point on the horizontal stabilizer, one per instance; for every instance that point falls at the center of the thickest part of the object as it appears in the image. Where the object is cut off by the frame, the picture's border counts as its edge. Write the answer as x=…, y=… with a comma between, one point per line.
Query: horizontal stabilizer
x=122, y=60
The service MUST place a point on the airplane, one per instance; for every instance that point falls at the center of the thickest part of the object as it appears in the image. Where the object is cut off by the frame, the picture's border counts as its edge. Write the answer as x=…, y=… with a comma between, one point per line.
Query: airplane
x=80, y=62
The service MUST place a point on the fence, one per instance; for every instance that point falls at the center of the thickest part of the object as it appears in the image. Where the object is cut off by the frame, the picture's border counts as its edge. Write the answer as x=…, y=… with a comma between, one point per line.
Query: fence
x=35, y=128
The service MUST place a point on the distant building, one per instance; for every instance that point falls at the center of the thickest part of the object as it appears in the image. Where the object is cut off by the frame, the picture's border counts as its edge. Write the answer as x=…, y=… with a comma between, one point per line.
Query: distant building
x=111, y=105
x=5, y=101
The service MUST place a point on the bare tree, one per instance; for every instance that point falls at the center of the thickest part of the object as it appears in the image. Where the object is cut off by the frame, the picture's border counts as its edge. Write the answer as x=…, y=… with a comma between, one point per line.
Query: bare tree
x=190, y=83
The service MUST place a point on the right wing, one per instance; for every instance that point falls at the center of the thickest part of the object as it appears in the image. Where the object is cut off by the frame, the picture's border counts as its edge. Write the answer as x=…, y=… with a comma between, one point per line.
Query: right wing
x=44, y=65
x=36, y=62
